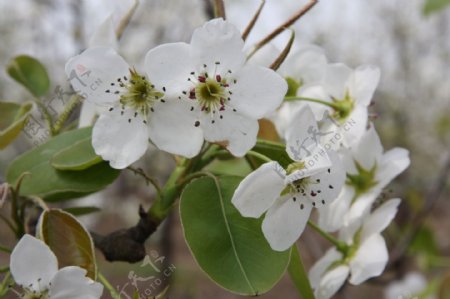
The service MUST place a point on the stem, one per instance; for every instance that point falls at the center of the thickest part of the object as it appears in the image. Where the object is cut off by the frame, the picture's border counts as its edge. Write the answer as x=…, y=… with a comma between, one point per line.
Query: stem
x=219, y=9
x=341, y=246
x=298, y=274
x=70, y=106
x=4, y=269
x=252, y=22
x=126, y=20
x=280, y=59
x=148, y=179
x=329, y=104
x=283, y=26
x=108, y=286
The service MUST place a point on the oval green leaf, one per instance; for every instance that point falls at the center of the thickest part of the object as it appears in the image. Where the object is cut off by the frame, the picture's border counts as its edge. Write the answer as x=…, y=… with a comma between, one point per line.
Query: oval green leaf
x=79, y=156
x=30, y=73
x=69, y=240
x=273, y=150
x=52, y=184
x=231, y=249
x=13, y=117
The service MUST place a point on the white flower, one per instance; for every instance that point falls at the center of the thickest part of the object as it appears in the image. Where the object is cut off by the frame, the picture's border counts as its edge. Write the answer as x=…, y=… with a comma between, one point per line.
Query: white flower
x=127, y=99
x=34, y=266
x=314, y=179
x=301, y=69
x=369, y=171
x=350, y=92
x=217, y=97
x=364, y=257
x=410, y=287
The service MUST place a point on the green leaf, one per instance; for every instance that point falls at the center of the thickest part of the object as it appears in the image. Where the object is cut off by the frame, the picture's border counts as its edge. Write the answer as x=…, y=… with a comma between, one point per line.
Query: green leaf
x=13, y=118
x=30, y=73
x=298, y=274
x=79, y=211
x=79, y=156
x=433, y=6
x=52, y=184
x=69, y=240
x=231, y=249
x=273, y=150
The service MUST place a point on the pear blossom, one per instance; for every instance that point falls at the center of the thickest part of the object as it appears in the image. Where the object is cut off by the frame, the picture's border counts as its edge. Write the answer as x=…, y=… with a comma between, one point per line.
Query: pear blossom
x=413, y=285
x=369, y=171
x=349, y=92
x=127, y=99
x=313, y=179
x=34, y=266
x=303, y=68
x=364, y=256
x=215, y=95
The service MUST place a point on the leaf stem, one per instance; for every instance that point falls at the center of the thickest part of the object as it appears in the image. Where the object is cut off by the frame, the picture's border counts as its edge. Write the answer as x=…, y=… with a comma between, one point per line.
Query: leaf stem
x=329, y=104
x=108, y=286
x=219, y=9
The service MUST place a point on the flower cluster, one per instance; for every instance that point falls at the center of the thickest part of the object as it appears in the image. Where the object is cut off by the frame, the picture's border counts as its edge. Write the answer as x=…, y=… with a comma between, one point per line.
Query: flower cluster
x=338, y=166
x=187, y=93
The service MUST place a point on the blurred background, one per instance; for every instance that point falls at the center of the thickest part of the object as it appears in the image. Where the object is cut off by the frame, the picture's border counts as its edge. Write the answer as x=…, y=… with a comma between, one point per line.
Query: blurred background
x=408, y=40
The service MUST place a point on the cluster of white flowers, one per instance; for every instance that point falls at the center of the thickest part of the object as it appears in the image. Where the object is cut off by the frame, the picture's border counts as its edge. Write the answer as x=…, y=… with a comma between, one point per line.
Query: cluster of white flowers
x=187, y=93
x=338, y=167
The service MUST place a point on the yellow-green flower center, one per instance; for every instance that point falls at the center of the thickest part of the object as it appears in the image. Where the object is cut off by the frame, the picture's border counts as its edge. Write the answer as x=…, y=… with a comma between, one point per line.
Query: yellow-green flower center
x=364, y=180
x=343, y=107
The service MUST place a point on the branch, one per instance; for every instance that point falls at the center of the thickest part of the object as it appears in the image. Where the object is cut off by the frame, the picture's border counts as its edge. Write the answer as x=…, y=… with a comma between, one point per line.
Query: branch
x=127, y=244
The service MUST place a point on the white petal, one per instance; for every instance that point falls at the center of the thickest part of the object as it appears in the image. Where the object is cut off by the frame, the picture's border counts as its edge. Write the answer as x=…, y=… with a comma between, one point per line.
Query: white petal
x=410, y=287
x=172, y=128
x=259, y=190
x=308, y=65
x=87, y=114
x=169, y=66
x=285, y=222
x=320, y=267
x=218, y=41
x=235, y=131
x=316, y=162
x=369, y=261
x=362, y=205
x=318, y=92
x=120, y=139
x=332, y=215
x=258, y=91
x=369, y=150
x=92, y=72
x=355, y=126
x=105, y=35
x=325, y=186
x=393, y=162
x=331, y=282
x=380, y=218
x=33, y=264
x=72, y=283
x=301, y=134
x=363, y=82
x=336, y=77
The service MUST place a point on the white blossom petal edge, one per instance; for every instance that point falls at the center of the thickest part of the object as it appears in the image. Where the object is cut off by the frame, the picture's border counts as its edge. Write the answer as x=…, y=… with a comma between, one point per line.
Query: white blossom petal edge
x=34, y=266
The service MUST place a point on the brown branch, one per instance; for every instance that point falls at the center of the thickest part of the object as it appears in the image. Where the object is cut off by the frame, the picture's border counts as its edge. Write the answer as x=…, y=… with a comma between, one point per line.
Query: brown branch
x=219, y=9
x=127, y=245
x=252, y=22
x=285, y=25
